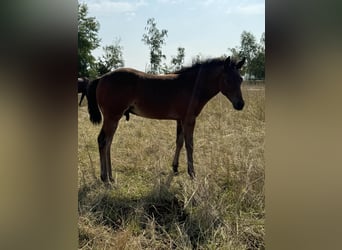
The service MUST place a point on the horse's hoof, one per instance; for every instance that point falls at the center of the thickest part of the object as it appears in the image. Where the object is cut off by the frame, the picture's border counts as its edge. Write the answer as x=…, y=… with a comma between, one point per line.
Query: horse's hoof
x=192, y=175
x=175, y=169
x=104, y=178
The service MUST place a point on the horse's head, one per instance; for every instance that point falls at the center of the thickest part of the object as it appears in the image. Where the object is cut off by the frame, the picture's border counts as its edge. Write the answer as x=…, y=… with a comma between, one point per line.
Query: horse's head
x=230, y=85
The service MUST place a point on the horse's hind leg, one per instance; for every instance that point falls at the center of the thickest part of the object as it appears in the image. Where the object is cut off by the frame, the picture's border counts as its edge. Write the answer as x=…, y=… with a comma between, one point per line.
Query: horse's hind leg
x=101, y=140
x=179, y=145
x=112, y=129
x=105, y=139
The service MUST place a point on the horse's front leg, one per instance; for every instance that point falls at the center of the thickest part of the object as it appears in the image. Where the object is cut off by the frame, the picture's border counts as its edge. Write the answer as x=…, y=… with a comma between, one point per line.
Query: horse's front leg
x=188, y=128
x=179, y=145
x=83, y=95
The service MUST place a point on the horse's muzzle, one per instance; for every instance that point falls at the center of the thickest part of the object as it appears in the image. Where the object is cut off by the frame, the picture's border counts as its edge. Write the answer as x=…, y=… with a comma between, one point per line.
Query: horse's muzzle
x=239, y=105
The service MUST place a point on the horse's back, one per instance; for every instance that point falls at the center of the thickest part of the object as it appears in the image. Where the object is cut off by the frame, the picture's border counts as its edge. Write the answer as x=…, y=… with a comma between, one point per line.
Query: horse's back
x=128, y=82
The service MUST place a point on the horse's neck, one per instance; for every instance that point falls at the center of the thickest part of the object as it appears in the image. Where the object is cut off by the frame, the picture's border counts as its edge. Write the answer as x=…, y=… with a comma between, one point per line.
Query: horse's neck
x=205, y=87
x=208, y=84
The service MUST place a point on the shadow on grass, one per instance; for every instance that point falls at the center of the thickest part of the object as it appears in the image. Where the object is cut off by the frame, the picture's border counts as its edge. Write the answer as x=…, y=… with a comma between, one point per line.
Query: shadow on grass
x=161, y=212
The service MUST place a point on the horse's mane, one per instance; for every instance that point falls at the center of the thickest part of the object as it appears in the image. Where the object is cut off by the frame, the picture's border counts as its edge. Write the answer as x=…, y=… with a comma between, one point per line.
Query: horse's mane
x=197, y=65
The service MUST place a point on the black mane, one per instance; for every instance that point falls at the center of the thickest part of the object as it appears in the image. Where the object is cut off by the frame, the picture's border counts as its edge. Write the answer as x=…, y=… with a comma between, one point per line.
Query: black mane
x=206, y=63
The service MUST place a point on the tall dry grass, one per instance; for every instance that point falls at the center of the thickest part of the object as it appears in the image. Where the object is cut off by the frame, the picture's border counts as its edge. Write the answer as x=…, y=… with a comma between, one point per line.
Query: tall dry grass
x=149, y=208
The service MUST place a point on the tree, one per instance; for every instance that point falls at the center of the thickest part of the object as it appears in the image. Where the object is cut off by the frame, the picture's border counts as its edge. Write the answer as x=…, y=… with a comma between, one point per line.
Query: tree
x=257, y=65
x=178, y=60
x=254, y=54
x=112, y=58
x=197, y=59
x=262, y=42
x=235, y=52
x=154, y=38
x=248, y=49
x=87, y=40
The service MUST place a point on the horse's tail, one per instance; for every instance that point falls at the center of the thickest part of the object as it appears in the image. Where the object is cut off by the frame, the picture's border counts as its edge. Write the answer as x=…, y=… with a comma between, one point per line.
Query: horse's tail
x=93, y=108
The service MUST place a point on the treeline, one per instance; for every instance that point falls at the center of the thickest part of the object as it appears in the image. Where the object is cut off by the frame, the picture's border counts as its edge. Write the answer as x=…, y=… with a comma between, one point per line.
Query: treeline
x=88, y=41
x=154, y=38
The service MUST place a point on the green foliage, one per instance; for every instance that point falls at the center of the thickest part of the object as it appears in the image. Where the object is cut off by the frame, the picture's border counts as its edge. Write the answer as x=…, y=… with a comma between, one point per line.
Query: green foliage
x=196, y=59
x=154, y=39
x=112, y=58
x=87, y=40
x=178, y=60
x=165, y=69
x=248, y=46
x=257, y=65
x=235, y=52
x=254, y=53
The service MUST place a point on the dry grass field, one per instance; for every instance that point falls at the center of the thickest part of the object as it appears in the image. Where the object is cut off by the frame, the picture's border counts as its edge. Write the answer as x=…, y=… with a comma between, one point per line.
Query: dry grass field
x=149, y=208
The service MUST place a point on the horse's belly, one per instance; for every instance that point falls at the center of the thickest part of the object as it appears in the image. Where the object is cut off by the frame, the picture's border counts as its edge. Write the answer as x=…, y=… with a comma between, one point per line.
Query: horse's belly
x=155, y=112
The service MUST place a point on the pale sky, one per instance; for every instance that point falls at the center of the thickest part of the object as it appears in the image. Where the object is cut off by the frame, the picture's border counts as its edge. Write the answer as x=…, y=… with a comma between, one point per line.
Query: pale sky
x=208, y=27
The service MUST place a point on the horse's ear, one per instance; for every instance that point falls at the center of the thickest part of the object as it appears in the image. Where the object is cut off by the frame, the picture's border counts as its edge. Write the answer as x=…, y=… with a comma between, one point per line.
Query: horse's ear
x=241, y=63
x=227, y=62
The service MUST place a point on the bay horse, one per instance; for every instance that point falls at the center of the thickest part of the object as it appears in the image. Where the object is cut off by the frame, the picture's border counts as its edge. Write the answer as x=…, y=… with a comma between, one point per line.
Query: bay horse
x=178, y=96
x=83, y=83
